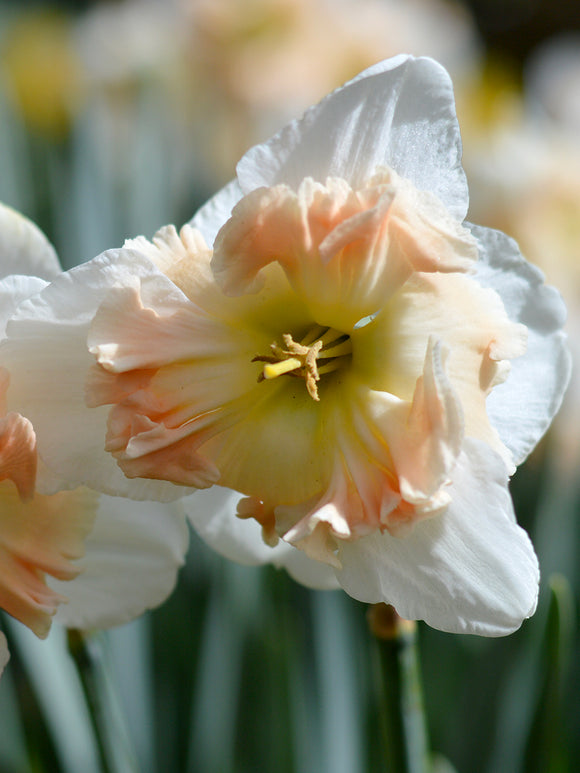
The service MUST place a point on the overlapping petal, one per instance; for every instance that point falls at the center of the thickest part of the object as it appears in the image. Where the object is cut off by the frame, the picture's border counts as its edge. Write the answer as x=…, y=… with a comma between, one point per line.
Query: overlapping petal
x=46, y=353
x=213, y=514
x=41, y=537
x=132, y=557
x=133, y=552
x=399, y=113
x=523, y=406
x=470, y=570
x=345, y=250
x=24, y=249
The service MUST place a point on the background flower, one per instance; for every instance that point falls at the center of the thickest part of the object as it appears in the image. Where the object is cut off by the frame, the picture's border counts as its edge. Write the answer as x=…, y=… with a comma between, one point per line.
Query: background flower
x=131, y=553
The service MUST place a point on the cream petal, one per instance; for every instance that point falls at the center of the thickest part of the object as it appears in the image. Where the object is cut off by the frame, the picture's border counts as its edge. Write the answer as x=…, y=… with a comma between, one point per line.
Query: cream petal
x=132, y=557
x=213, y=515
x=471, y=569
x=4, y=654
x=399, y=113
x=47, y=356
x=214, y=213
x=24, y=249
x=38, y=538
x=14, y=290
x=523, y=406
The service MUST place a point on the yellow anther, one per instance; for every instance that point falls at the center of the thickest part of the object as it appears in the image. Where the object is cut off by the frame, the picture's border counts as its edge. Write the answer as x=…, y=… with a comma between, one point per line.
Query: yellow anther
x=321, y=346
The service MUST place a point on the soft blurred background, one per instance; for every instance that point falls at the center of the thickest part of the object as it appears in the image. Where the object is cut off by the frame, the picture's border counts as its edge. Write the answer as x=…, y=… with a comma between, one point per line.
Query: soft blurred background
x=119, y=117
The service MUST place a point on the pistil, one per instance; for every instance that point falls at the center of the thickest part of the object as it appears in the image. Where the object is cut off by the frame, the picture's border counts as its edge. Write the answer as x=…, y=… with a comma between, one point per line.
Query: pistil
x=322, y=350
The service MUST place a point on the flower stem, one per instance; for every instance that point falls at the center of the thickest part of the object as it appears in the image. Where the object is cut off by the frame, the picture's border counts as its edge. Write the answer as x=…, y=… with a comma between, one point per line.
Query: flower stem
x=111, y=737
x=401, y=704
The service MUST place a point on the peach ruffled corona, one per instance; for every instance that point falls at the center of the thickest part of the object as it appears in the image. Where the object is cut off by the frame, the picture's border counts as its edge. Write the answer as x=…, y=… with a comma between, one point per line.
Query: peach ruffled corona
x=335, y=393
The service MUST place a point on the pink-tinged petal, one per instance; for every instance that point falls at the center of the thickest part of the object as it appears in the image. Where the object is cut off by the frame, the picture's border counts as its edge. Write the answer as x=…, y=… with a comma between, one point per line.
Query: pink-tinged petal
x=399, y=113
x=152, y=337
x=394, y=461
x=170, y=374
x=4, y=654
x=472, y=569
x=344, y=250
x=425, y=447
x=38, y=538
x=47, y=356
x=523, y=406
x=472, y=324
x=18, y=453
x=213, y=515
x=132, y=557
x=145, y=449
x=24, y=249
x=18, y=458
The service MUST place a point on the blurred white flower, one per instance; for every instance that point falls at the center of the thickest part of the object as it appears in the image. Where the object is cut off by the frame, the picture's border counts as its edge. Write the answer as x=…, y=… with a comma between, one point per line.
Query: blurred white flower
x=110, y=559
x=340, y=361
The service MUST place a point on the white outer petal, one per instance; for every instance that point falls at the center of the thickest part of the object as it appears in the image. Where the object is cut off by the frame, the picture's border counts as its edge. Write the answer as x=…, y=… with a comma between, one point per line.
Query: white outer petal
x=13, y=290
x=214, y=213
x=47, y=356
x=24, y=249
x=522, y=408
x=471, y=569
x=131, y=562
x=399, y=113
x=4, y=654
x=213, y=515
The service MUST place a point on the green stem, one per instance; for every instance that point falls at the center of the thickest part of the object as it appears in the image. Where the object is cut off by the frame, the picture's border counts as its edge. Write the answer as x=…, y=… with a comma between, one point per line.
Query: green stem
x=402, y=715
x=111, y=737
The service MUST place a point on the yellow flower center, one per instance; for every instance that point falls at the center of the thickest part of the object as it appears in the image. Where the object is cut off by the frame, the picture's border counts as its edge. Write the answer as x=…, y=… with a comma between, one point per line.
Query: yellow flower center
x=322, y=350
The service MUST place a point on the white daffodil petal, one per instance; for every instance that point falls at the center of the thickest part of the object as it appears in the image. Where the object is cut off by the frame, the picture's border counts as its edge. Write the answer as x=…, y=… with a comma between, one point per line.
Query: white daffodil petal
x=398, y=113
x=213, y=515
x=131, y=561
x=471, y=569
x=522, y=407
x=13, y=290
x=214, y=213
x=48, y=360
x=24, y=249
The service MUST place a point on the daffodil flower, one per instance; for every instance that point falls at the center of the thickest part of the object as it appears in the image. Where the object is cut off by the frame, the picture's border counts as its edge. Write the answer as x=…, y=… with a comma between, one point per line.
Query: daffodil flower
x=121, y=557
x=357, y=369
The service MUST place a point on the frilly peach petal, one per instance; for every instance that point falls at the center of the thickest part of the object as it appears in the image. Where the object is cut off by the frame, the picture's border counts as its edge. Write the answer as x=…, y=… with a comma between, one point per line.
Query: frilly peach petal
x=18, y=456
x=38, y=538
x=340, y=247
x=426, y=447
